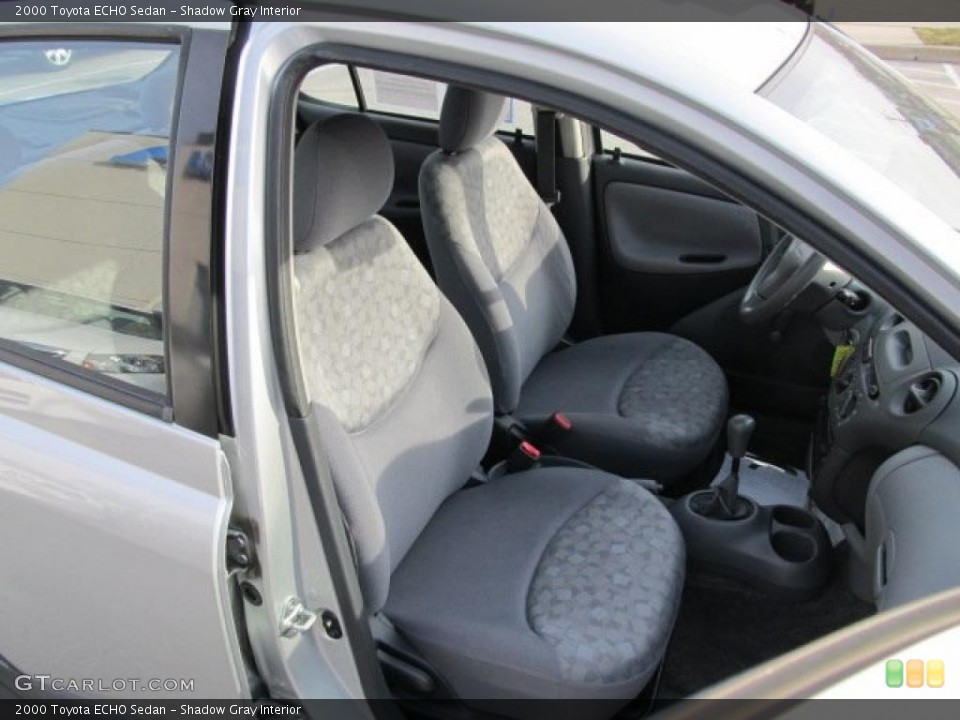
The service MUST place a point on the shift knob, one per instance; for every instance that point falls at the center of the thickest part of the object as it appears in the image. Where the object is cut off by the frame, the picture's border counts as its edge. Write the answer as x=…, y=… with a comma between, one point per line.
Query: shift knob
x=739, y=430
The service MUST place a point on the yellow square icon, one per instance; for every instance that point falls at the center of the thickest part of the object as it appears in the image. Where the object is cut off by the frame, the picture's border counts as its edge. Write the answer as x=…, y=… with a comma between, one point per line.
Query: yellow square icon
x=915, y=673
x=935, y=673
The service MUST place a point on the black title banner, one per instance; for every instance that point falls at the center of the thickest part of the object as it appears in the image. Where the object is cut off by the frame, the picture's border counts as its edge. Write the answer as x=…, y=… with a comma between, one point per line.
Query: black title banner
x=180, y=11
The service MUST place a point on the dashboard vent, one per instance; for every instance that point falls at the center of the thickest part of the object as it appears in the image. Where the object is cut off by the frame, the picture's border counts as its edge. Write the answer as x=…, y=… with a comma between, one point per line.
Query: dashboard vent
x=921, y=393
x=902, y=349
x=891, y=321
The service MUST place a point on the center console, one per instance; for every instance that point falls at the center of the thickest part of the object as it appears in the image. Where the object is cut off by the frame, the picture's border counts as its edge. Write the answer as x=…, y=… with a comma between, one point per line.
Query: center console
x=780, y=547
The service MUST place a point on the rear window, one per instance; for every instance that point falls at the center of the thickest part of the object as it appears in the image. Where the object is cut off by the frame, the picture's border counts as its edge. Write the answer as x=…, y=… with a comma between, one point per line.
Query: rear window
x=85, y=135
x=396, y=94
x=331, y=84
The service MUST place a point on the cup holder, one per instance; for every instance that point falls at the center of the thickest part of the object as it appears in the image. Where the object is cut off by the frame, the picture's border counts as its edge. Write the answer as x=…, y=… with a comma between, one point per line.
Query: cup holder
x=793, y=546
x=793, y=517
x=777, y=547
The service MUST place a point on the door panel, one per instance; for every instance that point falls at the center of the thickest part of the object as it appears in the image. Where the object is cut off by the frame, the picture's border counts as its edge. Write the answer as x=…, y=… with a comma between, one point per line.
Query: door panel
x=655, y=230
x=671, y=244
x=113, y=518
x=114, y=524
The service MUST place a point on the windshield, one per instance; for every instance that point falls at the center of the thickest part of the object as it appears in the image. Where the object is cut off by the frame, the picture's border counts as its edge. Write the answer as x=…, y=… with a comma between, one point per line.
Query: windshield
x=871, y=110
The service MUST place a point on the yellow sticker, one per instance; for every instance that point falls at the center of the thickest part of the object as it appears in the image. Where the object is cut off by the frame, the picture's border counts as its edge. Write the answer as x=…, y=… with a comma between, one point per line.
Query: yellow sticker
x=840, y=356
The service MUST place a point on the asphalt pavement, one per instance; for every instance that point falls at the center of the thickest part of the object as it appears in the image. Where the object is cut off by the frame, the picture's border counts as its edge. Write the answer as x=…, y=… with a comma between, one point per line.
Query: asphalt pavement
x=934, y=69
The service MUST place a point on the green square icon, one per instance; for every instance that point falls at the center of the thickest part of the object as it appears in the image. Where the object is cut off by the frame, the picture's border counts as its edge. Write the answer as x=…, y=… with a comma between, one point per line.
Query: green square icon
x=894, y=673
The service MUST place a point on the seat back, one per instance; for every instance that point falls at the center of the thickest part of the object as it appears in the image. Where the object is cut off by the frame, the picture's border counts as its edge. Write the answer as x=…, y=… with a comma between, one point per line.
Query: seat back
x=397, y=384
x=497, y=250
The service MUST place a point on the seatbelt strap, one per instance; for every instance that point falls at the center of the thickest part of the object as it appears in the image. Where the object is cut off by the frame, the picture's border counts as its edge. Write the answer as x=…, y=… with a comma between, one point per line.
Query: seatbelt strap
x=547, y=156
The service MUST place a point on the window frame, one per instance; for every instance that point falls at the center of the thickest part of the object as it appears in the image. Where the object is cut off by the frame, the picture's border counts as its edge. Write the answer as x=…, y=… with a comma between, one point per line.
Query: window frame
x=190, y=400
x=364, y=108
x=601, y=149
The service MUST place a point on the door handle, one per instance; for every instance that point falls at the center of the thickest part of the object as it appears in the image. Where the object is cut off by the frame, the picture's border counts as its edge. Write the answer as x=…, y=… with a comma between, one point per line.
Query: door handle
x=702, y=259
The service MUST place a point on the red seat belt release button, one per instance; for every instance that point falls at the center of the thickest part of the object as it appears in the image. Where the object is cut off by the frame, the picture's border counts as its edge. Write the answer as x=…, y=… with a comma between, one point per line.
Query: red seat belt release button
x=530, y=450
x=525, y=456
x=561, y=421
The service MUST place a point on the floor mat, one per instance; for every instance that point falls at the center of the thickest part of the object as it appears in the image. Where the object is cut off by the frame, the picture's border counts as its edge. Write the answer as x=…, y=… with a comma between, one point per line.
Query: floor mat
x=725, y=627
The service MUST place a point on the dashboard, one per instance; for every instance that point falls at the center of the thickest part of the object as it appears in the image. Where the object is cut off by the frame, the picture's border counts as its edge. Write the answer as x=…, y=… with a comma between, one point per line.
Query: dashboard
x=896, y=388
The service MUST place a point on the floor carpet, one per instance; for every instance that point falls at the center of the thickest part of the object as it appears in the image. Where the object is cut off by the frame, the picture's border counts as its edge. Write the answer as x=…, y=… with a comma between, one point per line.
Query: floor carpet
x=725, y=627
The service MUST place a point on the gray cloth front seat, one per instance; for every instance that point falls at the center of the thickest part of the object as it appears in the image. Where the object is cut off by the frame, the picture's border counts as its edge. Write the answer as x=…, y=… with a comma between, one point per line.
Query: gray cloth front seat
x=642, y=404
x=550, y=583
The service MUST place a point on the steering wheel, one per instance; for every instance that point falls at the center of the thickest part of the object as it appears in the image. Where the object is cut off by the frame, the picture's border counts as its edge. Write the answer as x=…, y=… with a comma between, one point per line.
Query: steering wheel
x=783, y=275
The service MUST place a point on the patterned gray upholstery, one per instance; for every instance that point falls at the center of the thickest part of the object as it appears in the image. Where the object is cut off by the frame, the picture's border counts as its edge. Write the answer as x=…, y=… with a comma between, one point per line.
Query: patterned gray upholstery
x=677, y=394
x=392, y=475
x=607, y=586
x=503, y=261
x=399, y=388
x=500, y=257
x=367, y=311
x=563, y=584
x=642, y=404
x=403, y=407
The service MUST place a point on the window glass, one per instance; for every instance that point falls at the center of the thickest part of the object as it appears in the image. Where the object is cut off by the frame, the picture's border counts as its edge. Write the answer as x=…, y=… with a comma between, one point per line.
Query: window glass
x=331, y=84
x=872, y=111
x=420, y=98
x=610, y=142
x=395, y=94
x=84, y=142
x=401, y=94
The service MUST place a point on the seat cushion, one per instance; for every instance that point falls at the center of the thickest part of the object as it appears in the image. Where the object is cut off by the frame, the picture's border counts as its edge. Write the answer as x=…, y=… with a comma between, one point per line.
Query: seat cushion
x=643, y=404
x=552, y=583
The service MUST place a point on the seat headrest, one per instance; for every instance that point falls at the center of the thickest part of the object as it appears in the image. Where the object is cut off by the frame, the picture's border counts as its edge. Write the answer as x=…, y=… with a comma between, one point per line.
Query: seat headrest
x=468, y=117
x=343, y=175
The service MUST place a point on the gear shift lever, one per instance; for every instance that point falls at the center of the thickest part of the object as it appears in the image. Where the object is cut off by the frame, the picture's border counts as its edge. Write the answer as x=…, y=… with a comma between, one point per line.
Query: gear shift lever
x=739, y=430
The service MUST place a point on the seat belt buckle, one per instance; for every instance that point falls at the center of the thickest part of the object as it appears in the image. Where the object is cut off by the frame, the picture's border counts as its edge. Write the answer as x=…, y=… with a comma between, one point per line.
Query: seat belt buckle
x=556, y=427
x=526, y=456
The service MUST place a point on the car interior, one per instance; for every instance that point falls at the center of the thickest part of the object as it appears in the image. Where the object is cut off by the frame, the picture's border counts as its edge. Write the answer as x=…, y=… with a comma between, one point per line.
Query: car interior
x=597, y=430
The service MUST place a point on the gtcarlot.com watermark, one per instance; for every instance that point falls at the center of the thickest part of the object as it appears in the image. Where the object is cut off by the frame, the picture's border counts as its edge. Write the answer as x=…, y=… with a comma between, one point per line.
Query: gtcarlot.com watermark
x=42, y=683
